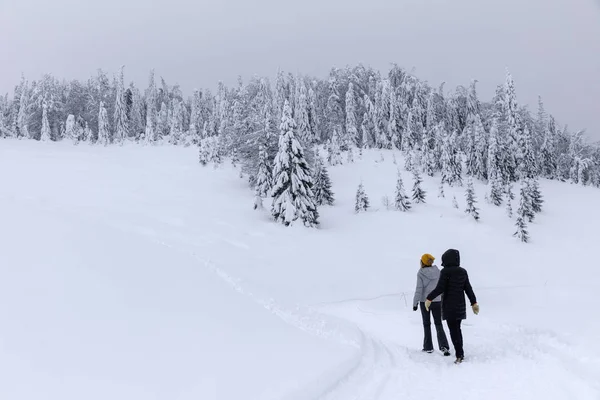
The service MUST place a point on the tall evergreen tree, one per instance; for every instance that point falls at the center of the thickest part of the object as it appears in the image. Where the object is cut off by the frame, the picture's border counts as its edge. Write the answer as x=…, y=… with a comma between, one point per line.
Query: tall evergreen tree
x=527, y=165
x=362, y=200
x=70, y=130
x=196, y=123
x=334, y=155
x=510, y=196
x=451, y=162
x=481, y=150
x=23, y=116
x=151, y=115
x=87, y=133
x=322, y=186
x=535, y=195
x=163, y=121
x=46, y=134
x=523, y=212
x=495, y=180
x=302, y=117
x=136, y=119
x=264, y=178
x=401, y=202
x=176, y=129
x=313, y=115
x=418, y=194
x=511, y=111
x=548, y=159
x=428, y=160
x=292, y=193
x=120, y=119
x=351, y=124
x=103, y=127
x=472, y=209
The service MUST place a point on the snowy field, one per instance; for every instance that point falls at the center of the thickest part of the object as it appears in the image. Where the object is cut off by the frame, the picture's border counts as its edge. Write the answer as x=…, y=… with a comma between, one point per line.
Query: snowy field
x=135, y=273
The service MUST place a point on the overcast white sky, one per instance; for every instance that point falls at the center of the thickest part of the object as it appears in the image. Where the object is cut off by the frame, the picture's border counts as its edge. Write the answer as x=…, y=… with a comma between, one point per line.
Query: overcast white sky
x=552, y=47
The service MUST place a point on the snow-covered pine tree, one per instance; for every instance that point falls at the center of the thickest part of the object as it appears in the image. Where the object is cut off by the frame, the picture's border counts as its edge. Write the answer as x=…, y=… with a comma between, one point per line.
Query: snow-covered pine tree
x=471, y=209
x=495, y=181
x=351, y=123
x=176, y=128
x=87, y=133
x=402, y=201
x=468, y=137
x=163, y=121
x=451, y=162
x=548, y=160
x=103, y=127
x=46, y=134
x=302, y=117
x=395, y=123
x=23, y=116
x=511, y=153
x=535, y=195
x=527, y=165
x=235, y=159
x=204, y=151
x=70, y=130
x=481, y=150
x=322, y=185
x=441, y=193
x=292, y=193
x=454, y=202
x=522, y=213
x=196, y=123
x=408, y=161
x=151, y=115
x=510, y=196
x=264, y=178
x=428, y=161
x=136, y=119
x=334, y=155
x=313, y=116
x=120, y=118
x=362, y=200
x=418, y=194
x=526, y=201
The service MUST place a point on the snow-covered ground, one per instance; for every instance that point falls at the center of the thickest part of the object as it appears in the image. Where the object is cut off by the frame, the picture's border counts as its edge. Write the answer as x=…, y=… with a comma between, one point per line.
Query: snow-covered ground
x=134, y=273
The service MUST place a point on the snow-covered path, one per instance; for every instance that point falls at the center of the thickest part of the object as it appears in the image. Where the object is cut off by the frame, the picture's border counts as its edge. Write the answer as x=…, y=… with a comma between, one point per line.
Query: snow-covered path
x=126, y=278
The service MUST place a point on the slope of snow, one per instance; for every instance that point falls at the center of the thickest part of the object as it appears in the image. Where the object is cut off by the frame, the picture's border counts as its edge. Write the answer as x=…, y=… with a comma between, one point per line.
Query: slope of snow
x=132, y=272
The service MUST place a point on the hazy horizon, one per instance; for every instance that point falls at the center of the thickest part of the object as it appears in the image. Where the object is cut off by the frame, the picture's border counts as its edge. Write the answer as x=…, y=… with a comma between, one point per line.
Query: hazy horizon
x=552, y=48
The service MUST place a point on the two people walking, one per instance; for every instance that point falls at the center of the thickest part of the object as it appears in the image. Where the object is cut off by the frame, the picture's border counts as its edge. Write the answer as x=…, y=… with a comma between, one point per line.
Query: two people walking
x=441, y=294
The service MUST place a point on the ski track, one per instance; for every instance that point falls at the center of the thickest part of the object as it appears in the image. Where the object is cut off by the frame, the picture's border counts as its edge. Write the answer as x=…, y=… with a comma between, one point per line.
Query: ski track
x=381, y=366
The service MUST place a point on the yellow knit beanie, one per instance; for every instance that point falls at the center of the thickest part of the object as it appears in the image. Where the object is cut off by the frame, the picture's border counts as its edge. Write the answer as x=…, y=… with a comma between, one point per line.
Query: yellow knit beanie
x=427, y=260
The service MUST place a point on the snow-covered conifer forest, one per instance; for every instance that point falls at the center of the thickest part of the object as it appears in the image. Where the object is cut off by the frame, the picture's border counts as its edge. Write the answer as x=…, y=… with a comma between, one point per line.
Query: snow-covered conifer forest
x=452, y=134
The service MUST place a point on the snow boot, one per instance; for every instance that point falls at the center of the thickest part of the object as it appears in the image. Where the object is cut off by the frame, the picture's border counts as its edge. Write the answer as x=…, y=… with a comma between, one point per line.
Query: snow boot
x=459, y=360
x=427, y=351
x=446, y=352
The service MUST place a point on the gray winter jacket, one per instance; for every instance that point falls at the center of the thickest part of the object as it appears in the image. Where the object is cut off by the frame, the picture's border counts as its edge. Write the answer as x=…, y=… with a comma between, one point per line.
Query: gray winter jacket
x=427, y=280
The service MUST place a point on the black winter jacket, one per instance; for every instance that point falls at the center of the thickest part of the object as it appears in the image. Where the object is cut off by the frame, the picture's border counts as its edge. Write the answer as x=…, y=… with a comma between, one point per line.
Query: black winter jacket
x=452, y=285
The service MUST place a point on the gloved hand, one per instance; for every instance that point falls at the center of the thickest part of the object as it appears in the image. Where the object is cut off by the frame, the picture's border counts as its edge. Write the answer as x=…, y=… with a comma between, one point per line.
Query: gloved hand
x=415, y=308
x=475, y=308
x=427, y=304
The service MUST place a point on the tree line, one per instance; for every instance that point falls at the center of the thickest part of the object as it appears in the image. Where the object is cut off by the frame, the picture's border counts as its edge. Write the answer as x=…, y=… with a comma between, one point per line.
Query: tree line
x=453, y=134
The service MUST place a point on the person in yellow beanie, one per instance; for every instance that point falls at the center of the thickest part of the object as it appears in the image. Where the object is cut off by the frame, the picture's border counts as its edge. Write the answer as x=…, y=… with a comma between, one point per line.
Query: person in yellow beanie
x=427, y=279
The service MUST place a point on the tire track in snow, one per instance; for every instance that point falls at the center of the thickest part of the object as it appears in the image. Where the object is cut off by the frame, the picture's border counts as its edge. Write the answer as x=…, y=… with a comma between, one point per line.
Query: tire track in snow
x=366, y=378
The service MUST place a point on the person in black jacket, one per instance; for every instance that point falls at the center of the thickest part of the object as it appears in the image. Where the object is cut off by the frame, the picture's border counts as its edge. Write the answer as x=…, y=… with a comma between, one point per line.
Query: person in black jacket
x=452, y=285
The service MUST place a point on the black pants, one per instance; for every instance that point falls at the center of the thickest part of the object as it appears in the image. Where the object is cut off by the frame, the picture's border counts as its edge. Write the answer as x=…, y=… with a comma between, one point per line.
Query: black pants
x=456, y=336
x=436, y=310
